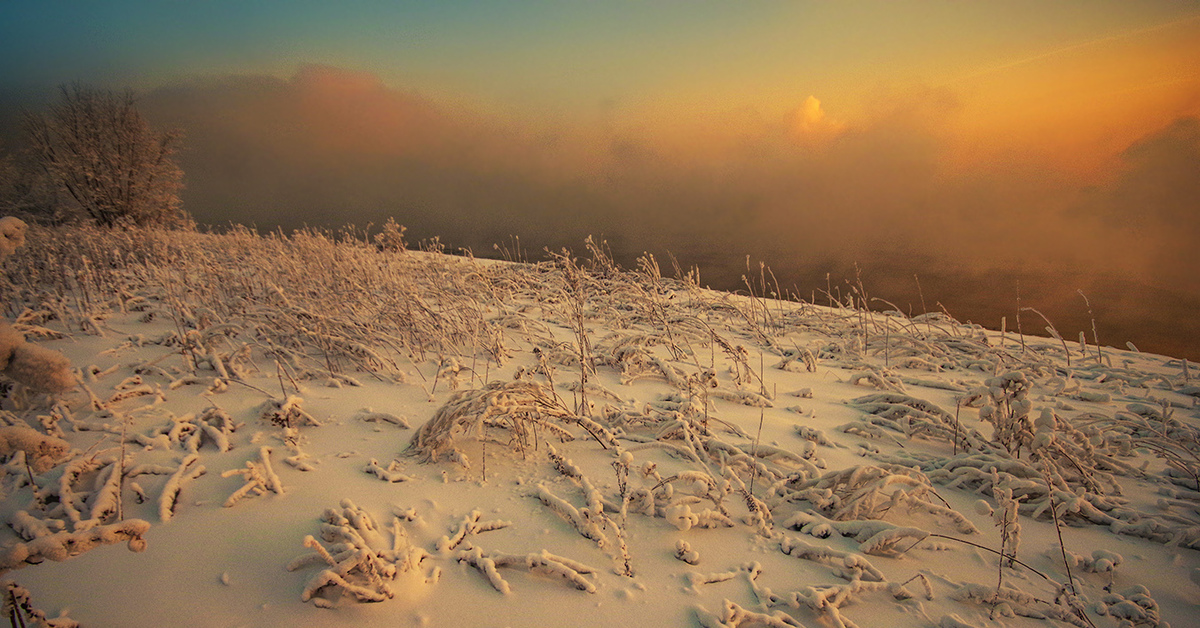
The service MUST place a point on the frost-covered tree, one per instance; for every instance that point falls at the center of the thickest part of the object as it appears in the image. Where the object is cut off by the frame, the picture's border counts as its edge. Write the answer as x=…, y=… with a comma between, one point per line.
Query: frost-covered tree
x=96, y=147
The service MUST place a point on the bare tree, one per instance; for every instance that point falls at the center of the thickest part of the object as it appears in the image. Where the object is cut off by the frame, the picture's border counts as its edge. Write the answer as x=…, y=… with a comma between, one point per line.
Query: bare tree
x=94, y=145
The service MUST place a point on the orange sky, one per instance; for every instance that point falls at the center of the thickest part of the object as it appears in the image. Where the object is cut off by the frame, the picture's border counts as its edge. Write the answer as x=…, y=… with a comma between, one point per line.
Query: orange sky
x=1079, y=106
x=914, y=135
x=1067, y=84
x=1072, y=108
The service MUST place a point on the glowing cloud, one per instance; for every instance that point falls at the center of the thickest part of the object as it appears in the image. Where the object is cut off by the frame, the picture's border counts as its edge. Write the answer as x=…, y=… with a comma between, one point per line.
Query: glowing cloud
x=809, y=122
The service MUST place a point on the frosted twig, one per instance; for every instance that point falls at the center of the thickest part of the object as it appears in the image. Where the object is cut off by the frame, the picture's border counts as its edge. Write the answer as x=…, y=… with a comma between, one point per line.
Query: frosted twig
x=170, y=493
x=260, y=477
x=488, y=563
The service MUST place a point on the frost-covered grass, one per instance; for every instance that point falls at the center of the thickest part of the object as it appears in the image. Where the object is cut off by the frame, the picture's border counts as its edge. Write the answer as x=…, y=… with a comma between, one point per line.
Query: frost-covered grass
x=312, y=429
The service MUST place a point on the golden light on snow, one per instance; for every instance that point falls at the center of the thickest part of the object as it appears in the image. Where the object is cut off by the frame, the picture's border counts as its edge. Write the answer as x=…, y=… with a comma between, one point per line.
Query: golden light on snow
x=728, y=460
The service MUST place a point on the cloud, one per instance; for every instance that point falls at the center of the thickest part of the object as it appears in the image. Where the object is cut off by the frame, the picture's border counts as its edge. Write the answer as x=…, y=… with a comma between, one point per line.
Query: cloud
x=1161, y=180
x=810, y=122
x=1153, y=205
x=329, y=146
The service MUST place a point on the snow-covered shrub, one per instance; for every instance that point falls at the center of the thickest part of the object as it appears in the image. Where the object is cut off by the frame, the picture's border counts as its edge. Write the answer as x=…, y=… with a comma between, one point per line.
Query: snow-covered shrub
x=734, y=616
x=260, y=477
x=520, y=407
x=869, y=492
x=390, y=474
x=287, y=413
x=540, y=562
x=60, y=546
x=913, y=416
x=391, y=239
x=39, y=368
x=1007, y=409
x=1176, y=442
x=1007, y=601
x=825, y=601
x=1131, y=607
x=684, y=552
x=41, y=451
x=1101, y=561
x=187, y=471
x=358, y=561
x=12, y=235
x=18, y=607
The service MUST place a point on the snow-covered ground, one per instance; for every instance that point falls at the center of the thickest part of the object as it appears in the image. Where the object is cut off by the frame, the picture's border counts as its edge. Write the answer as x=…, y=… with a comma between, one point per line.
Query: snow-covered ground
x=312, y=431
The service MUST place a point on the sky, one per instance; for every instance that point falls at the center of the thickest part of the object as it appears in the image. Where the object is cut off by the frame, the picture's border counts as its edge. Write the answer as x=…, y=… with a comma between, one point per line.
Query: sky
x=1043, y=147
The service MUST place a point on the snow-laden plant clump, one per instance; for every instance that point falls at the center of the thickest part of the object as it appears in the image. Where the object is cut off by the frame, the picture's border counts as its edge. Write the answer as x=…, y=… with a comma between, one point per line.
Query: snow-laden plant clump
x=559, y=442
x=33, y=366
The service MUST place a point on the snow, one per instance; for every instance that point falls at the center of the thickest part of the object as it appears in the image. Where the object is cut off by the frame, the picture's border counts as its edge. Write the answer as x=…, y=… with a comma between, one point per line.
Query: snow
x=476, y=443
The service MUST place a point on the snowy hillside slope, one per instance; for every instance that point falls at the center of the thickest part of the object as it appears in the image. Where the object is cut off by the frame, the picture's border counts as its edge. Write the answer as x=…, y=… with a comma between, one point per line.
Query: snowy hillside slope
x=307, y=430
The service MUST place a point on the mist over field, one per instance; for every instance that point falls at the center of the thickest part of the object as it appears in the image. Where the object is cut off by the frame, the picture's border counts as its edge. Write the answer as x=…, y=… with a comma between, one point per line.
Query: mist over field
x=890, y=200
x=806, y=195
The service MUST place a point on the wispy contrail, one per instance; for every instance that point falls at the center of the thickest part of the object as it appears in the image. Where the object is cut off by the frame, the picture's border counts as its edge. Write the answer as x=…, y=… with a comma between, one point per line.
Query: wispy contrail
x=1076, y=46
